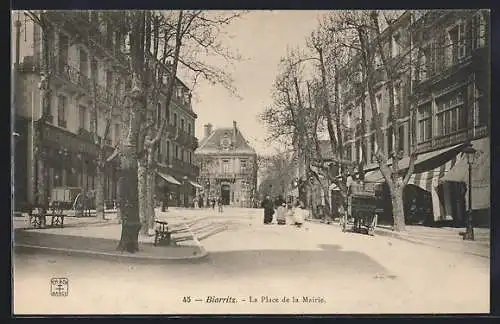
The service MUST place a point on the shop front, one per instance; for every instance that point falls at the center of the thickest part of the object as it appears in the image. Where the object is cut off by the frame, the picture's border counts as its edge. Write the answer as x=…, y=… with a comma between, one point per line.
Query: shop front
x=425, y=199
x=167, y=189
x=456, y=184
x=70, y=161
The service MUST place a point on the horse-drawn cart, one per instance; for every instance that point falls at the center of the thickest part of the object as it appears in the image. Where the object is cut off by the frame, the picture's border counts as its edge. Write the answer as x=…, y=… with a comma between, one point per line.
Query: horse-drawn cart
x=362, y=209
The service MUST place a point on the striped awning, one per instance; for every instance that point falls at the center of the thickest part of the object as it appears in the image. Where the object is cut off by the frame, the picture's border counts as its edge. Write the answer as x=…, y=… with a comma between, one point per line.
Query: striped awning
x=430, y=179
x=194, y=184
x=421, y=162
x=168, y=178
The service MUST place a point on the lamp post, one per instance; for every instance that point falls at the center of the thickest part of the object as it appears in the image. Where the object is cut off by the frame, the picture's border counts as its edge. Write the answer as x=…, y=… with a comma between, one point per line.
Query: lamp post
x=185, y=178
x=470, y=152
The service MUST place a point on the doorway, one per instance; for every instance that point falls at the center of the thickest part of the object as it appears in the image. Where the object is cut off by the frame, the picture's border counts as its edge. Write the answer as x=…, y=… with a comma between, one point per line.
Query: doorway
x=225, y=191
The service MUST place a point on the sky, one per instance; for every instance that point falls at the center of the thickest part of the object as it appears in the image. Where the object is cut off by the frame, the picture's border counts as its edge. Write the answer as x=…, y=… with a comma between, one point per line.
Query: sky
x=261, y=37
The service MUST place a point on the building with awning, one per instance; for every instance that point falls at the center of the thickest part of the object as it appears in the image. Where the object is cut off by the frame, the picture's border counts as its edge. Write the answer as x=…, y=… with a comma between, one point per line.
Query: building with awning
x=480, y=175
x=168, y=178
x=429, y=168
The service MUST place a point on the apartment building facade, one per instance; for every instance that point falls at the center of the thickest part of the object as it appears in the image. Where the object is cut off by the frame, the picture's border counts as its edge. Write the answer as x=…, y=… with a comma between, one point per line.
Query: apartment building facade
x=176, y=165
x=228, y=166
x=445, y=80
x=66, y=139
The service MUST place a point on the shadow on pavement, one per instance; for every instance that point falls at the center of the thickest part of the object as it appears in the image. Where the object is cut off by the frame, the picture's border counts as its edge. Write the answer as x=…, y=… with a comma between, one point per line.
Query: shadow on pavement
x=330, y=259
x=94, y=246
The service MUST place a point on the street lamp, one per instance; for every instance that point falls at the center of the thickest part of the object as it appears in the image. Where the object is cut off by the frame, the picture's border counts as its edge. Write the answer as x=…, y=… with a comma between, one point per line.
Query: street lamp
x=470, y=152
x=185, y=178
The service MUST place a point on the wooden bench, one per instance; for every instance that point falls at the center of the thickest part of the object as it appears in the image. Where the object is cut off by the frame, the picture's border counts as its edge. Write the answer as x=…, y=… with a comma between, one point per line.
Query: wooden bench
x=37, y=217
x=162, y=234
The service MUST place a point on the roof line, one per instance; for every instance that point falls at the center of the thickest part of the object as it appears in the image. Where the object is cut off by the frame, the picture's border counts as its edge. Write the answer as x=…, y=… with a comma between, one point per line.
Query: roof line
x=205, y=140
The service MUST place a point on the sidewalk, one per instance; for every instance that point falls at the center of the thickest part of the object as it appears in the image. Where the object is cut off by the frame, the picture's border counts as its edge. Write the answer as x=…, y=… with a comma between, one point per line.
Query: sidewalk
x=91, y=237
x=446, y=238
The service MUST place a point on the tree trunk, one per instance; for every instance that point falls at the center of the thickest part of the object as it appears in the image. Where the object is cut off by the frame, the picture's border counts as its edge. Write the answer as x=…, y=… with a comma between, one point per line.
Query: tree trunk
x=42, y=199
x=398, y=212
x=142, y=192
x=151, y=185
x=99, y=192
x=128, y=200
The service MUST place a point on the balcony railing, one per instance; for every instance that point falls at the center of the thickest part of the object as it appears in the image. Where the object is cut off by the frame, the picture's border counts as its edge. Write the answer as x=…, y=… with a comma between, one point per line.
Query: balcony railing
x=79, y=23
x=453, y=138
x=187, y=139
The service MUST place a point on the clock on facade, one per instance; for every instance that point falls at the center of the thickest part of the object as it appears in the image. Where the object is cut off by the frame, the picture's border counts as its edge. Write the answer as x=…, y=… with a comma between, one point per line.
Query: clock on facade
x=225, y=142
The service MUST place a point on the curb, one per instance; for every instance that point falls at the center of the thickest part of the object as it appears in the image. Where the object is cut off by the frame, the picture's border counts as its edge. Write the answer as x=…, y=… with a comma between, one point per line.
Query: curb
x=384, y=231
x=401, y=237
x=113, y=256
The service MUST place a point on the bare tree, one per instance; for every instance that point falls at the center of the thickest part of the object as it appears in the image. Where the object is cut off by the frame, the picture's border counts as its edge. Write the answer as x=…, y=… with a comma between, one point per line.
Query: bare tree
x=371, y=44
x=278, y=174
x=135, y=105
x=179, y=38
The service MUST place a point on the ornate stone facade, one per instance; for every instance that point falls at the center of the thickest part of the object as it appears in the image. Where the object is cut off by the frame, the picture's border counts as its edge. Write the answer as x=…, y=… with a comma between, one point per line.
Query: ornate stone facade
x=228, y=167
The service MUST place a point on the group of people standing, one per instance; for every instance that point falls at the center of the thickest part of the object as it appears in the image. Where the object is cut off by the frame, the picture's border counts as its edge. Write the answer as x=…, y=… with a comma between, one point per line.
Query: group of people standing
x=202, y=202
x=293, y=214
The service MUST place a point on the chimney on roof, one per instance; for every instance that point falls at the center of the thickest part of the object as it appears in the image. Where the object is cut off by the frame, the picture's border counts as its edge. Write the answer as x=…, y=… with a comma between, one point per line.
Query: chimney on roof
x=208, y=129
x=235, y=129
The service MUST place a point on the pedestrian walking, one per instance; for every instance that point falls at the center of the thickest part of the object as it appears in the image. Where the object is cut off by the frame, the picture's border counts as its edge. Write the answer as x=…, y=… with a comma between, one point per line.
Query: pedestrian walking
x=267, y=204
x=281, y=214
x=219, y=203
x=213, y=202
x=299, y=214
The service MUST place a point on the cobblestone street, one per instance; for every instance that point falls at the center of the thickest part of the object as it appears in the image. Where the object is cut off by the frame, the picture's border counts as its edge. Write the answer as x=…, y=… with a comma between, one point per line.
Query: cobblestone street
x=337, y=272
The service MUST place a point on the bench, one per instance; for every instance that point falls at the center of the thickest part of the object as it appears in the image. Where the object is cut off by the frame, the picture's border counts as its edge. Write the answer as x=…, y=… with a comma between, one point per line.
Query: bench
x=37, y=217
x=162, y=234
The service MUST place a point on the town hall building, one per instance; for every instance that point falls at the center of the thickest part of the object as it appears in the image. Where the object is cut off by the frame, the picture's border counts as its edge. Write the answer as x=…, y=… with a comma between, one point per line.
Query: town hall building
x=228, y=167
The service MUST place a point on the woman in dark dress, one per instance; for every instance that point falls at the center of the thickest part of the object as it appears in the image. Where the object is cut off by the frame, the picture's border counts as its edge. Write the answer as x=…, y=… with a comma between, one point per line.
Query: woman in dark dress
x=268, y=206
